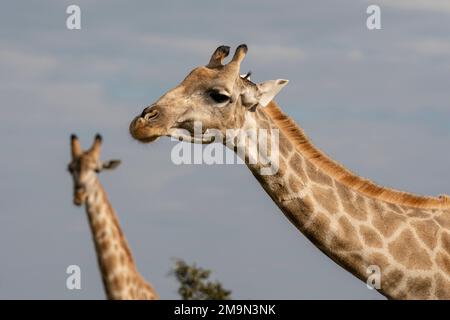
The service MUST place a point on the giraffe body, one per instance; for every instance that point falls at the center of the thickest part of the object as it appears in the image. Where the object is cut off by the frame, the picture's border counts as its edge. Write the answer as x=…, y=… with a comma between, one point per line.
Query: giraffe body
x=120, y=277
x=352, y=220
x=409, y=243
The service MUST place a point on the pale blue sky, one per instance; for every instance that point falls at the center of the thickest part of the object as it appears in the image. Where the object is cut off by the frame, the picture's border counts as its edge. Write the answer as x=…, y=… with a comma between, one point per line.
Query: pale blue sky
x=377, y=101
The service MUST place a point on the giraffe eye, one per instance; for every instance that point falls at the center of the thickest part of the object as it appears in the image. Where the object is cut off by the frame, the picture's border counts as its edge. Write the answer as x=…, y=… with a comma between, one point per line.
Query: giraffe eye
x=219, y=97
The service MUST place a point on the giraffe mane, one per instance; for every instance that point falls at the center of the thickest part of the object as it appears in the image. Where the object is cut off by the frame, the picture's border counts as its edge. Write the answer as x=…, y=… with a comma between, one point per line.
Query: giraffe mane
x=337, y=171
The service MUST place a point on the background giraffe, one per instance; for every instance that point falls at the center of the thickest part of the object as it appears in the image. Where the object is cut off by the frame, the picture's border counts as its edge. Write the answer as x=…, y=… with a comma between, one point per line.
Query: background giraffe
x=352, y=220
x=120, y=277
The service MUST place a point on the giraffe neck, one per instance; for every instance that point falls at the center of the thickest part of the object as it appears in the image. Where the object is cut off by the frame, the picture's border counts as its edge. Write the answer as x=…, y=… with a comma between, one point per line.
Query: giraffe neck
x=120, y=277
x=409, y=247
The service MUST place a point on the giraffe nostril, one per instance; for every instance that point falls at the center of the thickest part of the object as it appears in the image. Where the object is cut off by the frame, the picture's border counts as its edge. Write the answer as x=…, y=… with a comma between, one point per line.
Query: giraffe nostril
x=152, y=115
x=147, y=110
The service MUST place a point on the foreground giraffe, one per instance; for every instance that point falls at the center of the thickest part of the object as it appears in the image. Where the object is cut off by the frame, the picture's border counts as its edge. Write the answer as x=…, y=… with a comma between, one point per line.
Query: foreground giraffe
x=121, y=279
x=352, y=220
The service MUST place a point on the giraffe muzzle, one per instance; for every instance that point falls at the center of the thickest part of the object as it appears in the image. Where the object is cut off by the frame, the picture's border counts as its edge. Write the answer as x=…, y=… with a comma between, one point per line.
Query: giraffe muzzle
x=79, y=196
x=149, y=125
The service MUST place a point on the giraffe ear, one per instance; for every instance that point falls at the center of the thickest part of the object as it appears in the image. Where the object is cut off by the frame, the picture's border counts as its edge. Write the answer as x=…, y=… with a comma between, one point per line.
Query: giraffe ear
x=263, y=93
x=111, y=164
x=269, y=89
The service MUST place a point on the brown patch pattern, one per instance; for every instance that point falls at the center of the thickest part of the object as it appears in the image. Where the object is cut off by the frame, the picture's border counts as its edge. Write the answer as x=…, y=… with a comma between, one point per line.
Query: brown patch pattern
x=443, y=219
x=418, y=213
x=356, y=208
x=427, y=231
x=294, y=184
x=407, y=250
x=316, y=175
x=319, y=227
x=391, y=280
x=442, y=287
x=445, y=242
x=443, y=262
x=387, y=221
x=326, y=198
x=347, y=237
x=296, y=163
x=370, y=237
x=418, y=288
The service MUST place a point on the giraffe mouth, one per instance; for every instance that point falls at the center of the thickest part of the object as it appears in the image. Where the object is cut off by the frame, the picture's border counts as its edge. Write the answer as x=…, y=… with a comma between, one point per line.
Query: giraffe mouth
x=143, y=132
x=184, y=135
x=148, y=139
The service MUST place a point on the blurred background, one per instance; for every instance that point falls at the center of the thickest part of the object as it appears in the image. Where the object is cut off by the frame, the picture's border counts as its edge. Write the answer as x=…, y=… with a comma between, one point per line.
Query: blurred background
x=376, y=101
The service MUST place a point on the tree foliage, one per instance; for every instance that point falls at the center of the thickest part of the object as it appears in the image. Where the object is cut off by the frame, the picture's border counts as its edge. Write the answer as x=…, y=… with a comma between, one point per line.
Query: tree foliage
x=195, y=284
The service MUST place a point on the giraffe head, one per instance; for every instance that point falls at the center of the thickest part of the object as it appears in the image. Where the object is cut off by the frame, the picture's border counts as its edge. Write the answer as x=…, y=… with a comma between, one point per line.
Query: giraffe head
x=84, y=167
x=215, y=96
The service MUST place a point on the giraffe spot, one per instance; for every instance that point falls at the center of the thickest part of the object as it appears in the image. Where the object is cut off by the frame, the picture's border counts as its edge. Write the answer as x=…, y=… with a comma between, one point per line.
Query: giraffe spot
x=98, y=223
x=391, y=280
x=401, y=295
x=442, y=287
x=284, y=144
x=110, y=262
x=427, y=231
x=326, y=198
x=387, y=222
x=298, y=211
x=406, y=250
x=376, y=206
x=118, y=281
x=417, y=213
x=443, y=262
x=294, y=184
x=282, y=167
x=379, y=260
x=296, y=163
x=318, y=229
x=418, y=287
x=355, y=263
x=444, y=219
x=357, y=209
x=445, y=242
x=395, y=208
x=346, y=238
x=98, y=207
x=122, y=258
x=370, y=237
x=105, y=245
x=361, y=203
x=316, y=175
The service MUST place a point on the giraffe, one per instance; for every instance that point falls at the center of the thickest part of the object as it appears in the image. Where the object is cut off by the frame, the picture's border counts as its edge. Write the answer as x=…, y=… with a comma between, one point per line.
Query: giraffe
x=355, y=222
x=121, y=280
